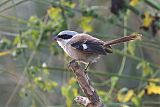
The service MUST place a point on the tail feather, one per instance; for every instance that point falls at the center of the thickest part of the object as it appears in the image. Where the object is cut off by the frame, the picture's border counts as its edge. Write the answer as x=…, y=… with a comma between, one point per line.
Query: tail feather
x=124, y=39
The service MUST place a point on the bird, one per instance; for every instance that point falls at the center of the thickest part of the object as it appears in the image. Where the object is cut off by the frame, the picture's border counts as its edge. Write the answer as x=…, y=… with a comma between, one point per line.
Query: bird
x=86, y=48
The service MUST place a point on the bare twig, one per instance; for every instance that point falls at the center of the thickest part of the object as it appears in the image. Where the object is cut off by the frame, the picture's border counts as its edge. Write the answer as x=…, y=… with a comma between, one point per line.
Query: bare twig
x=92, y=99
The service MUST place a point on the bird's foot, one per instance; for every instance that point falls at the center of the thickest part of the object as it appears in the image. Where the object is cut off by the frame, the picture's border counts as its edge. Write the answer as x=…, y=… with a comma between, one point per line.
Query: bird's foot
x=85, y=70
x=75, y=61
x=71, y=62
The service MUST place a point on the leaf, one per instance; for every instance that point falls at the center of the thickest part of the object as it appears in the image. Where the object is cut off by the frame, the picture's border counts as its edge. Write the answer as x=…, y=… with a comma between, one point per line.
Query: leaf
x=70, y=91
x=131, y=48
x=141, y=93
x=136, y=101
x=38, y=80
x=66, y=92
x=133, y=2
x=75, y=91
x=72, y=81
x=153, y=4
x=5, y=53
x=85, y=23
x=113, y=81
x=152, y=88
x=69, y=4
x=129, y=95
x=148, y=19
x=33, y=20
x=45, y=70
x=54, y=84
x=54, y=13
x=49, y=85
x=125, y=106
x=31, y=44
x=17, y=40
x=102, y=93
x=45, y=85
x=124, y=96
x=33, y=71
x=147, y=70
x=154, y=80
x=5, y=43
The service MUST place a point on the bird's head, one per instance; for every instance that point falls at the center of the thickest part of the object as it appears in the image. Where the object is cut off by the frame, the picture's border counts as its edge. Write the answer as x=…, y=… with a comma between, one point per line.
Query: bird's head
x=64, y=37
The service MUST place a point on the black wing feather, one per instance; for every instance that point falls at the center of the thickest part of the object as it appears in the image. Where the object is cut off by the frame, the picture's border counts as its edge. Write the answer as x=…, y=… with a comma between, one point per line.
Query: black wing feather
x=91, y=47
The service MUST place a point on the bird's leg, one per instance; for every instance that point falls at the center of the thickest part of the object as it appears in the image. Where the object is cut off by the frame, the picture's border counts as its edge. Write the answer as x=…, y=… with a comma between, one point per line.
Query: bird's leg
x=74, y=60
x=85, y=70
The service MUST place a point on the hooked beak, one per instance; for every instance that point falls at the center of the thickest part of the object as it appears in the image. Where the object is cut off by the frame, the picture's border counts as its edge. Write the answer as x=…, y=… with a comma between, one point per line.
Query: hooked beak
x=55, y=38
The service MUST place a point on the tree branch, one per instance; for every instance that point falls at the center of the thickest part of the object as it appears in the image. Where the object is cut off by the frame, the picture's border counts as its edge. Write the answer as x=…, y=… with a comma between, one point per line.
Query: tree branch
x=92, y=99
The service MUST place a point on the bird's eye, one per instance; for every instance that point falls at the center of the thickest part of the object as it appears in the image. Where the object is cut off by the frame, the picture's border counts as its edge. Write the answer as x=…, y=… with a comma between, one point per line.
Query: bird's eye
x=65, y=36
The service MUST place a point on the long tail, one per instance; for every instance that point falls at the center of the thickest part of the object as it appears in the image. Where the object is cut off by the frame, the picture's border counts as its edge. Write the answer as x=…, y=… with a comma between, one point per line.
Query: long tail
x=124, y=39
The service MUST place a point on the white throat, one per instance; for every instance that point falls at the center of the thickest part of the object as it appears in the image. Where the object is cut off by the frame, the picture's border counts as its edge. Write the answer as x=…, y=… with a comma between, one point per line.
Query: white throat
x=63, y=43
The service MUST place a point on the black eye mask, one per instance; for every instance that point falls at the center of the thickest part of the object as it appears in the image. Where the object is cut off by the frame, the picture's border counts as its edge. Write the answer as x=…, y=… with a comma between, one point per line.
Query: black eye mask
x=65, y=36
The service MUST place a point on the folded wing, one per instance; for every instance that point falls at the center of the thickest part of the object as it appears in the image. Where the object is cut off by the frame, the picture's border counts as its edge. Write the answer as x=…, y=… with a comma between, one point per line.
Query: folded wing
x=89, y=47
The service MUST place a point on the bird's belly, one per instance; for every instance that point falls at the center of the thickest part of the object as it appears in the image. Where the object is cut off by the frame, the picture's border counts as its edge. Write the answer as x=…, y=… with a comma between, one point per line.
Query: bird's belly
x=79, y=55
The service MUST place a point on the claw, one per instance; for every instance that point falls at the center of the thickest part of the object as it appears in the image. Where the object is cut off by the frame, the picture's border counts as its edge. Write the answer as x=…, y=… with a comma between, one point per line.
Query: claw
x=85, y=70
x=73, y=63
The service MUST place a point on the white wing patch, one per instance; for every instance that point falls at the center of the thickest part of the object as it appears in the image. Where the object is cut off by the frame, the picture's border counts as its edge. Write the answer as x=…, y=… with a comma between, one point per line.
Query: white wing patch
x=84, y=46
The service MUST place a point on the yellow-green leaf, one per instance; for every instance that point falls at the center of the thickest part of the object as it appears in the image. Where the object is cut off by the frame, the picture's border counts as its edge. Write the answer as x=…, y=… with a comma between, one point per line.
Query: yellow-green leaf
x=131, y=48
x=69, y=4
x=5, y=53
x=125, y=96
x=136, y=101
x=75, y=91
x=147, y=70
x=72, y=81
x=147, y=21
x=152, y=88
x=141, y=93
x=154, y=80
x=85, y=24
x=133, y=2
x=54, y=13
x=67, y=94
x=113, y=80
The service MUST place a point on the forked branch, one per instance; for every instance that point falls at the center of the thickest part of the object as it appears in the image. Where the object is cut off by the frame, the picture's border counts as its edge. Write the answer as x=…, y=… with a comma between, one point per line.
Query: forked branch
x=92, y=99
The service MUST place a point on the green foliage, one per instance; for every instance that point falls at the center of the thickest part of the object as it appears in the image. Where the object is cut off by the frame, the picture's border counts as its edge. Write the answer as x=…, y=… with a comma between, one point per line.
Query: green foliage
x=85, y=24
x=131, y=48
x=70, y=91
x=137, y=101
x=147, y=70
x=54, y=14
x=5, y=44
x=45, y=85
x=33, y=40
x=153, y=4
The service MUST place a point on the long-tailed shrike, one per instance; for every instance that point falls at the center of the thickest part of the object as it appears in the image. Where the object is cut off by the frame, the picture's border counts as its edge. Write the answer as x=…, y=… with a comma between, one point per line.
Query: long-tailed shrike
x=86, y=48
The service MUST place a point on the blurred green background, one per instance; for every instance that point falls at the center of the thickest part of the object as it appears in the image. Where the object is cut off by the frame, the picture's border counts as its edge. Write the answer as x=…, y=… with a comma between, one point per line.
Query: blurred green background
x=33, y=68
